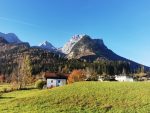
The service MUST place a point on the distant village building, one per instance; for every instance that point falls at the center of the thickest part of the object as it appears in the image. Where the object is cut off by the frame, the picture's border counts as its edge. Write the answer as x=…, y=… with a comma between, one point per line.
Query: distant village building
x=124, y=78
x=55, y=79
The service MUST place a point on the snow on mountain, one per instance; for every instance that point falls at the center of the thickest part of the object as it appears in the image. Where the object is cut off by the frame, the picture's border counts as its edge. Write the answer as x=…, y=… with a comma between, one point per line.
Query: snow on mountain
x=47, y=45
x=69, y=45
x=10, y=37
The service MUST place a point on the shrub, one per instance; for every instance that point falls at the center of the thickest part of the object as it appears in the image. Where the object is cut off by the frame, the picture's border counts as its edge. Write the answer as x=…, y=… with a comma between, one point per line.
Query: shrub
x=76, y=76
x=39, y=84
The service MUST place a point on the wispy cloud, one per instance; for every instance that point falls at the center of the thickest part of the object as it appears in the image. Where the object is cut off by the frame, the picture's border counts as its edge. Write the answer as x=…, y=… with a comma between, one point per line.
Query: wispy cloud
x=18, y=22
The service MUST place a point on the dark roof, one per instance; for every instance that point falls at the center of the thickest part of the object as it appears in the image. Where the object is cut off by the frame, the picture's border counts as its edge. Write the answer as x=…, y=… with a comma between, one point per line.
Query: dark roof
x=55, y=75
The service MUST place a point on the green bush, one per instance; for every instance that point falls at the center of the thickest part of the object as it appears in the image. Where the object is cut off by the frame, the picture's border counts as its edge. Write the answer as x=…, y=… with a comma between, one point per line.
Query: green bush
x=39, y=84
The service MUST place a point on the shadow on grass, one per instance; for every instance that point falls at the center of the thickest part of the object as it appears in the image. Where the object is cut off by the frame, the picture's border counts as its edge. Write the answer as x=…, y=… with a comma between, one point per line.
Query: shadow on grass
x=27, y=88
x=6, y=97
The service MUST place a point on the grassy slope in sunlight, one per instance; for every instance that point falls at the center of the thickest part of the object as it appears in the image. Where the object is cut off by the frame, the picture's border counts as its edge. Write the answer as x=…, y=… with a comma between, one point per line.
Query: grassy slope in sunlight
x=81, y=97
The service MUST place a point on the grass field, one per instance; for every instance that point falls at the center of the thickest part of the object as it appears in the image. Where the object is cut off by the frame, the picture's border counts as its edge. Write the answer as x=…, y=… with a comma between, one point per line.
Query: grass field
x=2, y=86
x=84, y=97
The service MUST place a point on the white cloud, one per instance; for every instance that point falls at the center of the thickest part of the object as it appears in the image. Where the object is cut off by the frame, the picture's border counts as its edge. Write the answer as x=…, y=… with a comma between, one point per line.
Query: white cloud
x=18, y=22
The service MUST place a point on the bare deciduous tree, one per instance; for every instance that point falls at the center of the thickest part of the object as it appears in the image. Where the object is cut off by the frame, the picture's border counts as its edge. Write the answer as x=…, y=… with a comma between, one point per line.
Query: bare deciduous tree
x=22, y=76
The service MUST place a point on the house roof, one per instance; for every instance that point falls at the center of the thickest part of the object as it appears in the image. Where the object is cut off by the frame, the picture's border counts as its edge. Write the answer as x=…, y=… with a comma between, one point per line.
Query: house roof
x=55, y=75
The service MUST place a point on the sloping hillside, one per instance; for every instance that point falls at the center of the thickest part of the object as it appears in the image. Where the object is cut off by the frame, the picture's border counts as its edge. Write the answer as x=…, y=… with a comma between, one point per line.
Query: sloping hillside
x=42, y=60
x=81, y=97
x=11, y=54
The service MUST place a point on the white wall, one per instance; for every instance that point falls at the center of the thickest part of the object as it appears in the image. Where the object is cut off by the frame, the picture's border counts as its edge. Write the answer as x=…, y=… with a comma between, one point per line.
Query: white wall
x=56, y=82
x=124, y=79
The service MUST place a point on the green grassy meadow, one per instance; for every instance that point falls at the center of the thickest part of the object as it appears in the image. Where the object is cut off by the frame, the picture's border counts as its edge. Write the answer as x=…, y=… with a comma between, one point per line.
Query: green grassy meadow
x=82, y=97
x=2, y=86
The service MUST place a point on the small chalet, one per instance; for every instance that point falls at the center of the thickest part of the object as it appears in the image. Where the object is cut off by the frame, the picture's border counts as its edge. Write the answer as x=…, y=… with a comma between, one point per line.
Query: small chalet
x=55, y=79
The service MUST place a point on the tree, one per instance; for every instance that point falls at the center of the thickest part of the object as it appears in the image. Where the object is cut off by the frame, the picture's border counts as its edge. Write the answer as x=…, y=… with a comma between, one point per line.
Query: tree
x=16, y=77
x=22, y=76
x=76, y=76
x=140, y=71
x=91, y=74
x=65, y=69
x=26, y=71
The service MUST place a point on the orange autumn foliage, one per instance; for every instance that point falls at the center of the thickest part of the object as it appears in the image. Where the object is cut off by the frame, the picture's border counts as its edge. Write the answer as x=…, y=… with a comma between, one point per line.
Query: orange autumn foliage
x=76, y=76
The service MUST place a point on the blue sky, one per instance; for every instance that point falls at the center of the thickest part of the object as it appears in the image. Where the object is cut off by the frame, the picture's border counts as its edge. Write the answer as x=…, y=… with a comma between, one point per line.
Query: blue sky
x=124, y=25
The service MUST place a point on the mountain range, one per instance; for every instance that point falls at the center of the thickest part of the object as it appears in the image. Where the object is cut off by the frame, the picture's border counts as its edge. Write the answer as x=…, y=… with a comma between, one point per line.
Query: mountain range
x=10, y=37
x=81, y=47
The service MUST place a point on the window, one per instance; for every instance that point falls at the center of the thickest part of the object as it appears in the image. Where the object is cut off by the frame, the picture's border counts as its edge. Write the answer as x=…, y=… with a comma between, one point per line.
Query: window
x=58, y=81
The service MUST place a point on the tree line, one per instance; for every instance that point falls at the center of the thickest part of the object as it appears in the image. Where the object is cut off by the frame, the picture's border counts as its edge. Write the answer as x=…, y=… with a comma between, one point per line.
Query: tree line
x=36, y=61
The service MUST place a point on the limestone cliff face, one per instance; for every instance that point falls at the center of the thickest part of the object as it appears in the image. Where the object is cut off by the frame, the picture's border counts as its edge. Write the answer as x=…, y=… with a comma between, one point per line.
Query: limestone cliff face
x=92, y=49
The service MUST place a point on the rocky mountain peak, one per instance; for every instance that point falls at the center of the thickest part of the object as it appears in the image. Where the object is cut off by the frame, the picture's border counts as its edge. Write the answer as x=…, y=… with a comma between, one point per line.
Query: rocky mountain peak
x=69, y=45
x=47, y=45
x=87, y=46
x=10, y=37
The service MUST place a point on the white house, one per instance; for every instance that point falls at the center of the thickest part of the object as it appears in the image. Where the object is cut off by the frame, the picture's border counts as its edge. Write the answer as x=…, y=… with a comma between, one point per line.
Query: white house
x=55, y=80
x=123, y=78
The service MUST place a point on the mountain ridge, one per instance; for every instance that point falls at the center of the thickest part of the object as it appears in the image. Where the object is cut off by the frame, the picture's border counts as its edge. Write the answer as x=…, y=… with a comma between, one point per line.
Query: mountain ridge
x=81, y=47
x=10, y=37
x=90, y=50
